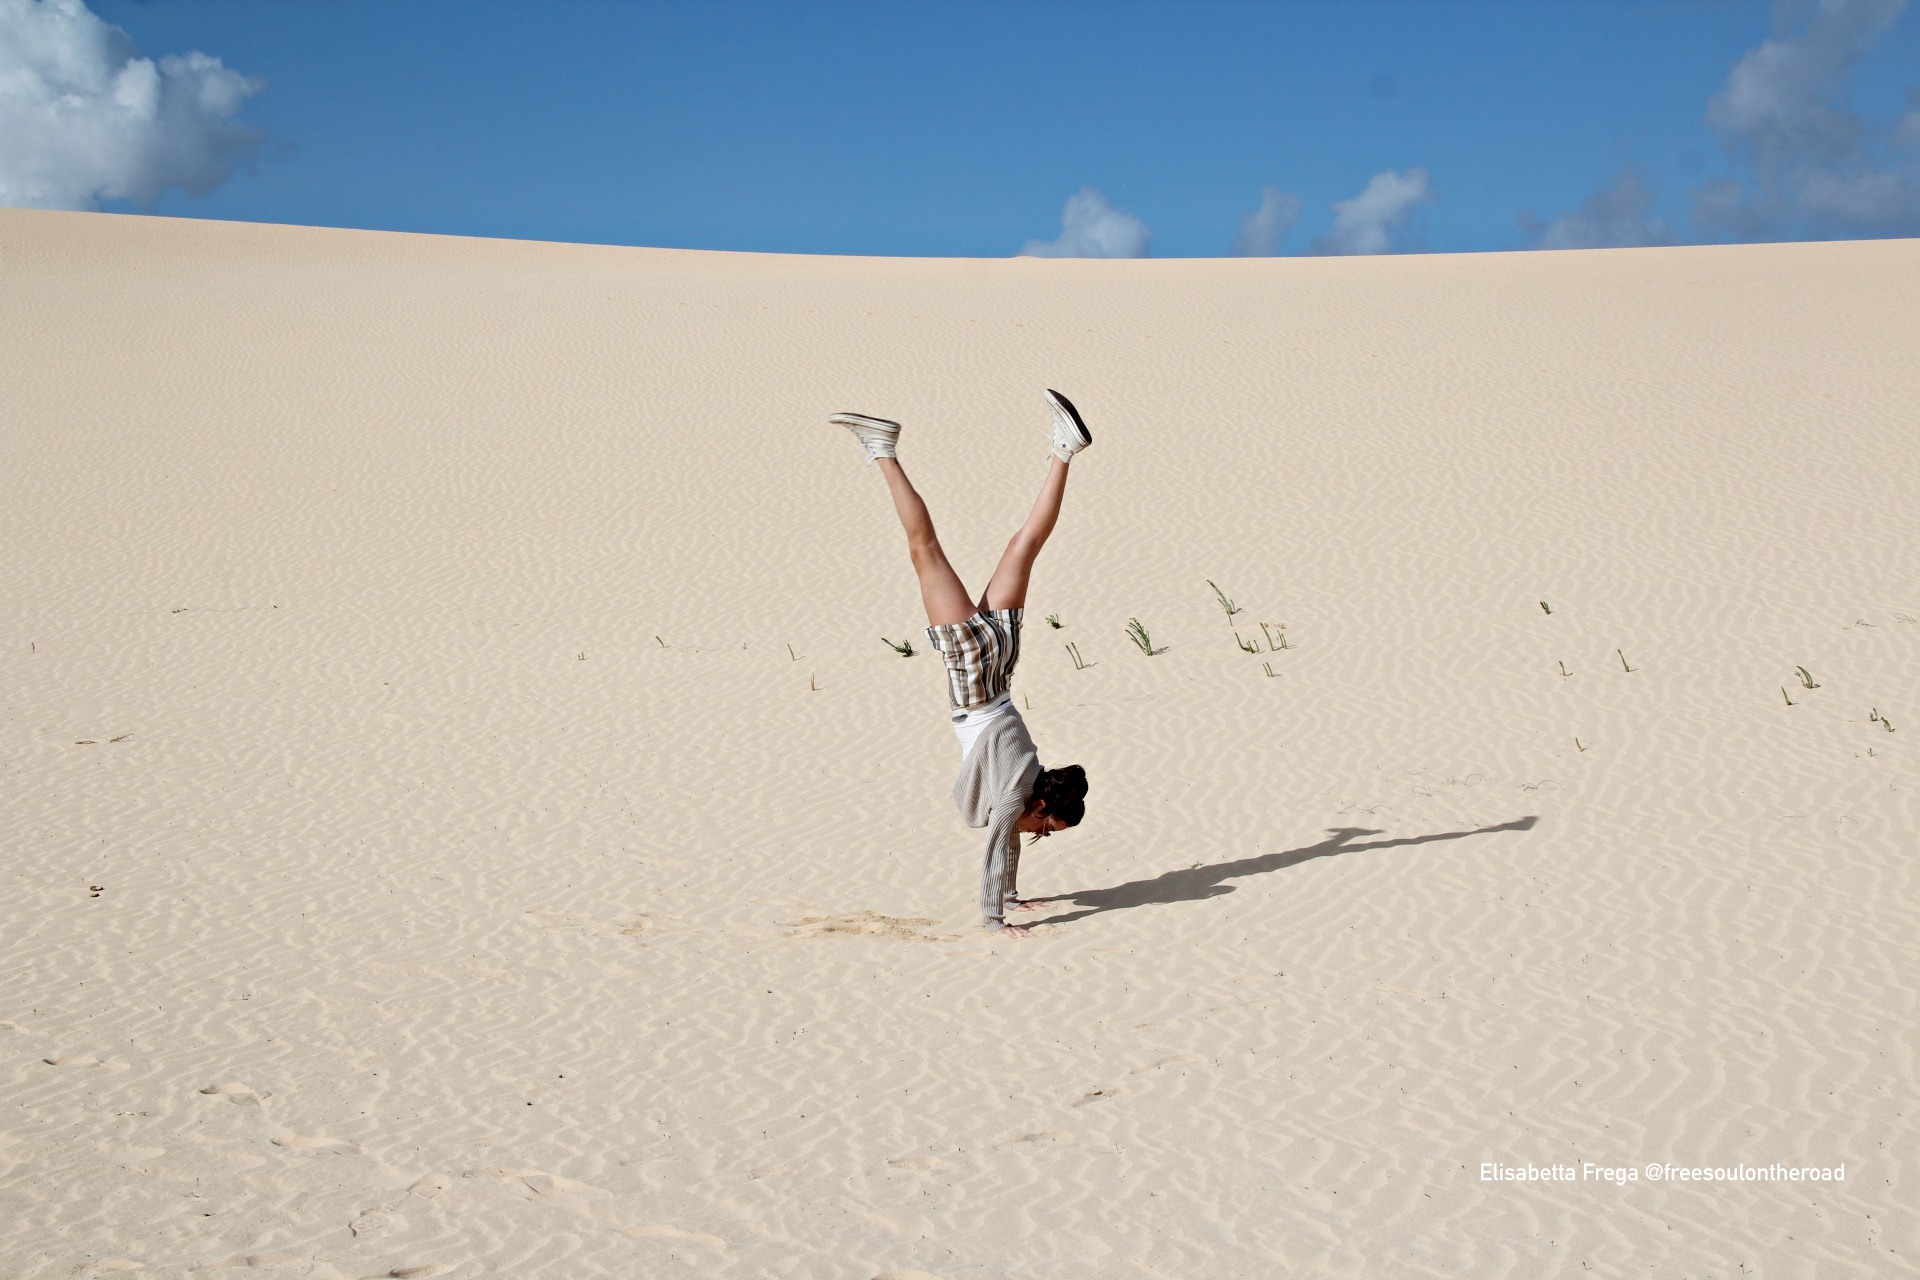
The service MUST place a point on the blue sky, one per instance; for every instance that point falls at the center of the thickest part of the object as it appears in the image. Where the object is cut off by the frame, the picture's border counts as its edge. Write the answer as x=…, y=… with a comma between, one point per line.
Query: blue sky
x=913, y=127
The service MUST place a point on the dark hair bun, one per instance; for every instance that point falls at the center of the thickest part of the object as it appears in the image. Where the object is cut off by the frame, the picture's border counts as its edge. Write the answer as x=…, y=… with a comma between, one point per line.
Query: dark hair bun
x=1064, y=791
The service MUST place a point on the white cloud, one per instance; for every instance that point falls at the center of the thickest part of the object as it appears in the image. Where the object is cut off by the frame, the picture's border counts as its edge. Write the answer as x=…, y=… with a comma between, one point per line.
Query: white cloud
x=1367, y=223
x=1262, y=230
x=1613, y=217
x=1090, y=227
x=85, y=118
x=1803, y=160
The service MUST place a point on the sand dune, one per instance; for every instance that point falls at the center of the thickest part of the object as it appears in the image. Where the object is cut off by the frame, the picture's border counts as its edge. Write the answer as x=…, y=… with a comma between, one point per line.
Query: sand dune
x=462, y=819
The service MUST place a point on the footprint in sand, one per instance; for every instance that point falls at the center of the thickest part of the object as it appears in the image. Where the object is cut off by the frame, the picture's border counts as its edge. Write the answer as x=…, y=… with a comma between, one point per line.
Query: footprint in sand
x=82, y=1060
x=265, y=1261
x=1098, y=1095
x=301, y=1142
x=430, y=1185
x=1025, y=1139
x=272, y=1258
x=548, y=1184
x=1165, y=1062
x=17, y=1028
x=673, y=1235
x=371, y=1224
x=868, y=923
x=235, y=1092
x=119, y=1264
x=916, y=1162
x=422, y=1269
x=133, y=1155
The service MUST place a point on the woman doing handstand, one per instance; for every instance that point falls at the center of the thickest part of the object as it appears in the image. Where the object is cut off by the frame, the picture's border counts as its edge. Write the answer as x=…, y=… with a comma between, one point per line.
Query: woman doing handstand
x=1001, y=785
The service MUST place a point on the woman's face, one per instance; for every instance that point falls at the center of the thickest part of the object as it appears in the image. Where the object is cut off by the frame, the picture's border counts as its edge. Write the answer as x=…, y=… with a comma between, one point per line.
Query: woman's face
x=1039, y=822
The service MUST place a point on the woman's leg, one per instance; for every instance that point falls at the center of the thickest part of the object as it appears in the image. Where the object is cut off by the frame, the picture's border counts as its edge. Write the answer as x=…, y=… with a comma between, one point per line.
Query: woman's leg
x=941, y=590
x=1007, y=589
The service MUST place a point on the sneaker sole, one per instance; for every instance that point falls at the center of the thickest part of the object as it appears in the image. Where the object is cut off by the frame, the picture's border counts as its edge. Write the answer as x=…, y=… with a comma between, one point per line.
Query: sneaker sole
x=862, y=420
x=1061, y=402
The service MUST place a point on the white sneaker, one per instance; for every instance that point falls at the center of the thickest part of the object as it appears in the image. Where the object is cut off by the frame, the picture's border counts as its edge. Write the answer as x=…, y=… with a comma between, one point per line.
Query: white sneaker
x=1070, y=434
x=877, y=435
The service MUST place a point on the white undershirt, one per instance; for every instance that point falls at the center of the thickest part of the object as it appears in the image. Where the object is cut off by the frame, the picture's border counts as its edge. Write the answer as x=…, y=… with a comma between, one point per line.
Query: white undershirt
x=969, y=729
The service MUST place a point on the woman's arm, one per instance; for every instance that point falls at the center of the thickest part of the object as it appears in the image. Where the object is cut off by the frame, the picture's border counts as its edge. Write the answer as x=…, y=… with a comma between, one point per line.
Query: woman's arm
x=1000, y=866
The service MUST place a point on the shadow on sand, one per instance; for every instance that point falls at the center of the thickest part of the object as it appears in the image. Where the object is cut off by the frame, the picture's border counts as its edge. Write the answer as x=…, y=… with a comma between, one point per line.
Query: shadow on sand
x=1193, y=884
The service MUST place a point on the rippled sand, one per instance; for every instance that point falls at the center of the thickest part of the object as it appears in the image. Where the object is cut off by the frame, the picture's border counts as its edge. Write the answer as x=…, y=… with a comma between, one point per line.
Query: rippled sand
x=461, y=817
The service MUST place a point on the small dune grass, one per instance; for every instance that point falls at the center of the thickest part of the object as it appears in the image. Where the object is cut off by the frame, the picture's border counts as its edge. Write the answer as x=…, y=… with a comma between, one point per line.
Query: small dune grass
x=1138, y=634
x=1225, y=603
